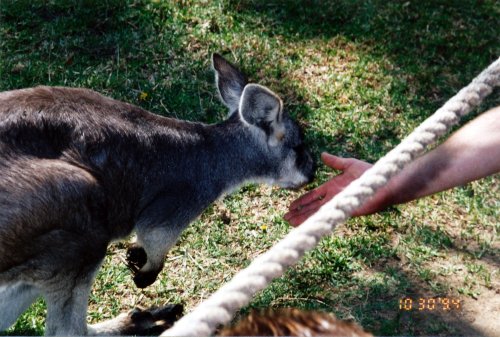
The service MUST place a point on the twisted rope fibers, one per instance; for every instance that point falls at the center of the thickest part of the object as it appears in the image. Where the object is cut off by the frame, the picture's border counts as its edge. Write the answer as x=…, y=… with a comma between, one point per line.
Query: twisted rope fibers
x=219, y=308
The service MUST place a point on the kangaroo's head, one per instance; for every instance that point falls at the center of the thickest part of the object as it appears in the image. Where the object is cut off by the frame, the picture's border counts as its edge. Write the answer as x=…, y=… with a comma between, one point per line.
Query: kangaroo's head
x=272, y=144
x=261, y=110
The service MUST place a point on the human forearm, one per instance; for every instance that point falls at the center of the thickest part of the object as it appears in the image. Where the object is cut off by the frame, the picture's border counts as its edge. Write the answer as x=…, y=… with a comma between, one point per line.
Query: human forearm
x=470, y=153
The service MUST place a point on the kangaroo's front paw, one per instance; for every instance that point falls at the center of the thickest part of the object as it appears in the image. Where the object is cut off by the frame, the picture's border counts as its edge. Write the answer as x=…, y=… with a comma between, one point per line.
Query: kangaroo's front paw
x=144, y=279
x=136, y=259
x=153, y=321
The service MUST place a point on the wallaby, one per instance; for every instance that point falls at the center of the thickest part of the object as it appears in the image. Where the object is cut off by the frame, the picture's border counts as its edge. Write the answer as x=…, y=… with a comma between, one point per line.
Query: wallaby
x=79, y=170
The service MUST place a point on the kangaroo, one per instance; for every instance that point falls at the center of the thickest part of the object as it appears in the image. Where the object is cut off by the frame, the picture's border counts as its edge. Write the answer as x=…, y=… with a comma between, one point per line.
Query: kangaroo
x=79, y=170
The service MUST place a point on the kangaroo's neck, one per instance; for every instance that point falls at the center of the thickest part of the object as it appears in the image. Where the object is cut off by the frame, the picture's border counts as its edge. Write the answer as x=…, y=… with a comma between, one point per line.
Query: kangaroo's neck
x=235, y=158
x=208, y=160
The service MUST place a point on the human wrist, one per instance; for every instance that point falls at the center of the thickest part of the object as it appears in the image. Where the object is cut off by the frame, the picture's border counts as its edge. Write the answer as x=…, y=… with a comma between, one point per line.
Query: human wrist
x=382, y=199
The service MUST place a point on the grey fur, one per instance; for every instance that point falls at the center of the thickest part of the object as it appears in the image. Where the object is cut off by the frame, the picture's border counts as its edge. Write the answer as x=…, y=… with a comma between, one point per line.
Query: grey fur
x=78, y=170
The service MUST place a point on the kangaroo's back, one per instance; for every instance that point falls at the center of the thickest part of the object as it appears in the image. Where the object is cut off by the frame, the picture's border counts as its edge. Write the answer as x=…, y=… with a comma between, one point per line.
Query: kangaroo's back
x=46, y=121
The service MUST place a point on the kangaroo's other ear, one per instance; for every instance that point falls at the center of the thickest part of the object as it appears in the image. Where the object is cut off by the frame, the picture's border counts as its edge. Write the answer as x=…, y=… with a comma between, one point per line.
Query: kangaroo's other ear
x=230, y=82
x=261, y=107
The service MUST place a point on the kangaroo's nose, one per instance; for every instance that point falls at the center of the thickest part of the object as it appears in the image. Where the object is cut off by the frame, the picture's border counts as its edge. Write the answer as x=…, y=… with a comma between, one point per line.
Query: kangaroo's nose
x=312, y=170
x=308, y=166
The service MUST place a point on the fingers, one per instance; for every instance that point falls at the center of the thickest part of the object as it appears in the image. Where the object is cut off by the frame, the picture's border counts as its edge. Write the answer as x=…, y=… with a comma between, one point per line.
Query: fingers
x=337, y=163
x=313, y=204
x=297, y=219
x=302, y=211
x=312, y=196
x=309, y=203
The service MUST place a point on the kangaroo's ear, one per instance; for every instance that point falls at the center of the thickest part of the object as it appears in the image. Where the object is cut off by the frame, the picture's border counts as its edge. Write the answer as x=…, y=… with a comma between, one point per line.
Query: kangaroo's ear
x=261, y=107
x=230, y=82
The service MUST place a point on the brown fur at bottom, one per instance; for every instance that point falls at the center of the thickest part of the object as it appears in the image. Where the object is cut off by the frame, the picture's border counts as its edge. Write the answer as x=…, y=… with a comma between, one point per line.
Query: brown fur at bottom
x=293, y=322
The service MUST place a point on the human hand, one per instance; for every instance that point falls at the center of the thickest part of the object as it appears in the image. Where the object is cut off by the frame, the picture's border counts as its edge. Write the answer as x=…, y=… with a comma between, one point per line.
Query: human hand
x=309, y=203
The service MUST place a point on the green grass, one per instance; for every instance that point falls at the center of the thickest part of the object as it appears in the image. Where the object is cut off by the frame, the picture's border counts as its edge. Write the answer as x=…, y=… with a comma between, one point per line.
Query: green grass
x=359, y=75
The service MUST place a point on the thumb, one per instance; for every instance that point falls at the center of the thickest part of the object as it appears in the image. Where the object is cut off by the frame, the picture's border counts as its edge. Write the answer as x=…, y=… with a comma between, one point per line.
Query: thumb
x=337, y=163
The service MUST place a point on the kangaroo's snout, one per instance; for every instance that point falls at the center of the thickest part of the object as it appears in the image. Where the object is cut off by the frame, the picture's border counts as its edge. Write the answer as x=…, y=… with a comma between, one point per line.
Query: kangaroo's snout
x=306, y=164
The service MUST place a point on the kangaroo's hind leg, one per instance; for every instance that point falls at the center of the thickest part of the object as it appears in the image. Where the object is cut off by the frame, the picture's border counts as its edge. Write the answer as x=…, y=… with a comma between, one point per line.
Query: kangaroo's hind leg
x=53, y=234
x=139, y=322
x=67, y=301
x=14, y=300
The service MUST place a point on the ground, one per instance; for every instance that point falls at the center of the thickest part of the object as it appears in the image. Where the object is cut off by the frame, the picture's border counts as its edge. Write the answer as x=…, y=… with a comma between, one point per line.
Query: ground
x=358, y=76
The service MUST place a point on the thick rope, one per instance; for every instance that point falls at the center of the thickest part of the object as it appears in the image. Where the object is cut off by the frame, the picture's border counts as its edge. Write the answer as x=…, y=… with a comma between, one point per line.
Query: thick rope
x=220, y=307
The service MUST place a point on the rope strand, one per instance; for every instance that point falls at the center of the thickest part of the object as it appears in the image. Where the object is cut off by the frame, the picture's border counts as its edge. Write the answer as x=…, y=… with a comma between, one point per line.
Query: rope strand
x=220, y=307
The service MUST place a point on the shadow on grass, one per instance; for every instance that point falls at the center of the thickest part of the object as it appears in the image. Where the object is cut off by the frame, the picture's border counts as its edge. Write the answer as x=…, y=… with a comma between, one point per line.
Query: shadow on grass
x=431, y=42
x=90, y=23
x=330, y=280
x=437, y=47
x=62, y=34
x=120, y=48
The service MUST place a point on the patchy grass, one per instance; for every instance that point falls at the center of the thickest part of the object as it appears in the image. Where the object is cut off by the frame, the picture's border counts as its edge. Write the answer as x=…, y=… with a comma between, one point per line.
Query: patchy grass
x=359, y=75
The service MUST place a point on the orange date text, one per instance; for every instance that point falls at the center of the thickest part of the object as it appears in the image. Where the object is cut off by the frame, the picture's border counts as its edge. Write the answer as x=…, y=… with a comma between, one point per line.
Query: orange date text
x=429, y=304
